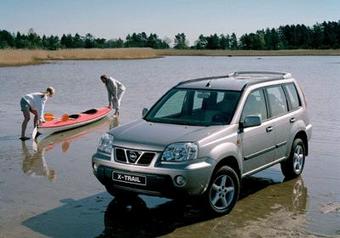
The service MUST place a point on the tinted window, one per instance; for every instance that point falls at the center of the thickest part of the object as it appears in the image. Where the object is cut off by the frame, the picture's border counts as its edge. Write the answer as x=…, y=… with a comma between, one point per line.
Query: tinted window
x=172, y=106
x=277, y=100
x=293, y=96
x=255, y=105
x=195, y=107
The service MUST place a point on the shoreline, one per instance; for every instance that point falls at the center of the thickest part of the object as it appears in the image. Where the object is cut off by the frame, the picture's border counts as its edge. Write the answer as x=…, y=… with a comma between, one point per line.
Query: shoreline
x=22, y=57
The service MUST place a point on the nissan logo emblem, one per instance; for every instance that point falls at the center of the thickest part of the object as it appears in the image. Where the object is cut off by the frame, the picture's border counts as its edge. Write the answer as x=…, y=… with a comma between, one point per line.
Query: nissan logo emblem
x=133, y=156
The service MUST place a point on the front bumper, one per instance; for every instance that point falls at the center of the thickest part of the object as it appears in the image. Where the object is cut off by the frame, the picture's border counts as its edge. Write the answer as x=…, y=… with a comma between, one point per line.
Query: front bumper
x=160, y=177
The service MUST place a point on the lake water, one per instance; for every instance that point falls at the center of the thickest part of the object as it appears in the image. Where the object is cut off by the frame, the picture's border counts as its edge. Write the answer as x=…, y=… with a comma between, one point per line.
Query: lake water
x=49, y=189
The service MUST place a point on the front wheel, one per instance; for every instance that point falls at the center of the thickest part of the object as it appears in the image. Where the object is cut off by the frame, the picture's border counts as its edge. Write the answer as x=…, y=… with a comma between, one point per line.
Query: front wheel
x=293, y=166
x=223, y=191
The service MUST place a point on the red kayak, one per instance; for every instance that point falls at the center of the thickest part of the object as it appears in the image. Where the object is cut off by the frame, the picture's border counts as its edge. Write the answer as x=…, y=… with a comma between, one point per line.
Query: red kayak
x=73, y=121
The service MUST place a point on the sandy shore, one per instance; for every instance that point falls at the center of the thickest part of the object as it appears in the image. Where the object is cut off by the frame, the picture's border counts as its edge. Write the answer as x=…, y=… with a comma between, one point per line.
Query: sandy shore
x=13, y=57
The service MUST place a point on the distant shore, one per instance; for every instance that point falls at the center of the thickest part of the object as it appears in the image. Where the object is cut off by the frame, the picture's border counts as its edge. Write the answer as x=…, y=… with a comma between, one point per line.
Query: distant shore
x=14, y=57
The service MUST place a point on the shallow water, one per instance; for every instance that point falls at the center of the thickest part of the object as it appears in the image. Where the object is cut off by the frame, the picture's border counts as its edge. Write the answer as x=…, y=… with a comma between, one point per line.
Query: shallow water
x=47, y=189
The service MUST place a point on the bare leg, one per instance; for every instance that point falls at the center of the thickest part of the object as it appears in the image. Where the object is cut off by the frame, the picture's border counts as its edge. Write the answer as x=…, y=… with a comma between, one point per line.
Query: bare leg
x=24, y=123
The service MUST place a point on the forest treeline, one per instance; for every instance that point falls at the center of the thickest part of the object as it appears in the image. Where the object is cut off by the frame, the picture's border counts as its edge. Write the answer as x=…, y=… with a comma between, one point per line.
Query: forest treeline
x=324, y=35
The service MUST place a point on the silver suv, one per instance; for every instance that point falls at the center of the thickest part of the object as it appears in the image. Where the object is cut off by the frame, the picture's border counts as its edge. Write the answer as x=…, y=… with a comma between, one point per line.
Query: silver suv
x=204, y=135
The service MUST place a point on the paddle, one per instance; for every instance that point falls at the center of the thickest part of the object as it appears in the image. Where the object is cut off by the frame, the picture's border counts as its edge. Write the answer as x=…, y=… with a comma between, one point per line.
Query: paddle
x=34, y=133
x=48, y=116
x=65, y=117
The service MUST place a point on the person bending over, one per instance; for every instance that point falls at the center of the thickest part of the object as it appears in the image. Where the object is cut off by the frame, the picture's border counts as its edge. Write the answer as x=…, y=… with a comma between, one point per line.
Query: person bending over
x=34, y=103
x=115, y=91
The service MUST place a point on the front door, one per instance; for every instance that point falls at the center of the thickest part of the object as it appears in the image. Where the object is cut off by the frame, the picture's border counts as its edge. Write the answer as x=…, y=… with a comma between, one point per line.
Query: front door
x=258, y=143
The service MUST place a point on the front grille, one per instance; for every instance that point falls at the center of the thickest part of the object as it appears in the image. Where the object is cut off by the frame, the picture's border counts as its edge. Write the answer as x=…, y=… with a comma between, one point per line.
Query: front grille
x=120, y=155
x=137, y=157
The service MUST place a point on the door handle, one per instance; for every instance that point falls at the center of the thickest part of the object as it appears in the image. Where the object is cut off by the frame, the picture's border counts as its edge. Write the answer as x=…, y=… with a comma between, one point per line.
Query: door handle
x=269, y=129
x=292, y=120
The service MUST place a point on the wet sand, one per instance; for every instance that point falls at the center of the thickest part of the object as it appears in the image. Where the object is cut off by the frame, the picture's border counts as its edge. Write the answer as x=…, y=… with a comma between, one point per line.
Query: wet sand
x=48, y=189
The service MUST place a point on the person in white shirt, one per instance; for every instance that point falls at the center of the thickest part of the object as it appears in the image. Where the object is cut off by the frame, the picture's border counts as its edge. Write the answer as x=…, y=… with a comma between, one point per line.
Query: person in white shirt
x=34, y=103
x=115, y=92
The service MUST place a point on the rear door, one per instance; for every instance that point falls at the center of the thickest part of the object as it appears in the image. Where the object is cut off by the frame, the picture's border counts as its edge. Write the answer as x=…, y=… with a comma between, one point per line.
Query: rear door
x=295, y=109
x=279, y=118
x=258, y=143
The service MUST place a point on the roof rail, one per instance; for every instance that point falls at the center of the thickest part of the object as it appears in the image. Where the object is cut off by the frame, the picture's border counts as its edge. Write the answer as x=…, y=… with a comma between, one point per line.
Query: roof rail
x=267, y=75
x=280, y=75
x=201, y=79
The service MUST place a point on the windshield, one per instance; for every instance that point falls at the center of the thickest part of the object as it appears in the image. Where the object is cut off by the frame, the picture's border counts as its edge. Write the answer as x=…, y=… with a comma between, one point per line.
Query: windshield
x=195, y=107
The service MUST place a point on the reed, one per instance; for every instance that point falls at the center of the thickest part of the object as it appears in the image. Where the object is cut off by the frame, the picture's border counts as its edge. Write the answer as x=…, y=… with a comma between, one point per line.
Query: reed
x=14, y=57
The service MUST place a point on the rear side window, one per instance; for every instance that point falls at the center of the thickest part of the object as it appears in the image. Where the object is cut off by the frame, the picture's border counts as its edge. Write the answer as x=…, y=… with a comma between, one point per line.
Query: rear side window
x=293, y=96
x=277, y=100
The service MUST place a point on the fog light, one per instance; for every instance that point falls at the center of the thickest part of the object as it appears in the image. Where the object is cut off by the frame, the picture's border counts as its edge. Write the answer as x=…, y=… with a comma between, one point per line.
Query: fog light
x=95, y=167
x=180, y=180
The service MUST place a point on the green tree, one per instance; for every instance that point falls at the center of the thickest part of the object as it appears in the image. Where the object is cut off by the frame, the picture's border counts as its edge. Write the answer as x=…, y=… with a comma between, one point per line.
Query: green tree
x=6, y=39
x=52, y=42
x=213, y=42
x=119, y=43
x=233, y=42
x=201, y=43
x=225, y=41
x=180, y=41
x=78, y=41
x=66, y=41
x=34, y=40
x=89, y=41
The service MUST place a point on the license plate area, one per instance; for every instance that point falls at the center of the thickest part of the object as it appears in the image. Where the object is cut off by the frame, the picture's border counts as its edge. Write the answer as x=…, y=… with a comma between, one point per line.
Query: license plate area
x=128, y=178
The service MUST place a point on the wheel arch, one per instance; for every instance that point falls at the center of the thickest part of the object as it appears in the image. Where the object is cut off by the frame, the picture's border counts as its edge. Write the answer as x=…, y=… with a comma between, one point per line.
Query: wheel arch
x=303, y=136
x=230, y=161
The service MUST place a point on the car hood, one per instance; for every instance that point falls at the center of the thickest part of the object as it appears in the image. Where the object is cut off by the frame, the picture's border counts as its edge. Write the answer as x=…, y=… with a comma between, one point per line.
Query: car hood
x=146, y=135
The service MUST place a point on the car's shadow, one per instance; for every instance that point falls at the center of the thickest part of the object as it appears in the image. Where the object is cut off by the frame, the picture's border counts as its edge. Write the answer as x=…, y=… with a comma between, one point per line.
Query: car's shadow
x=136, y=218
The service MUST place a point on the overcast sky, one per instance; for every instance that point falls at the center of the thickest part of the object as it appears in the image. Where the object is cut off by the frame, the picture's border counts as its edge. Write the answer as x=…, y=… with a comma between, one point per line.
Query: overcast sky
x=117, y=18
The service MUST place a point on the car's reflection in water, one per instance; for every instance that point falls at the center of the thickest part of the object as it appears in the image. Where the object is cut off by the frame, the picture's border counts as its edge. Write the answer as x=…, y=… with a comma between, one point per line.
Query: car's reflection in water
x=134, y=218
x=34, y=160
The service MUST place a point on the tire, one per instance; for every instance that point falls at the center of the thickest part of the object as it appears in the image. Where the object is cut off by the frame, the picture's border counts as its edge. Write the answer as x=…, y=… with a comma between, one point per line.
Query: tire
x=293, y=166
x=119, y=194
x=223, y=191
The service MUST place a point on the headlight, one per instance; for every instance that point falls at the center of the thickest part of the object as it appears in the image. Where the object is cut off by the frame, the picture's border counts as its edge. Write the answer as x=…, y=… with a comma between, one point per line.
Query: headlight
x=105, y=143
x=178, y=152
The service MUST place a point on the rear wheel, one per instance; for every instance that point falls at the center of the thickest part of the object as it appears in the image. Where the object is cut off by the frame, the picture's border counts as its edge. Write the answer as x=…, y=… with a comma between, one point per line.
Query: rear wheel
x=293, y=166
x=223, y=191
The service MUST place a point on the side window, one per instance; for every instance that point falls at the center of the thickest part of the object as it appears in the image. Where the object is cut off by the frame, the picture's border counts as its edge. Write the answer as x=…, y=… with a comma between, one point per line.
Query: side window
x=198, y=100
x=277, y=100
x=255, y=105
x=293, y=96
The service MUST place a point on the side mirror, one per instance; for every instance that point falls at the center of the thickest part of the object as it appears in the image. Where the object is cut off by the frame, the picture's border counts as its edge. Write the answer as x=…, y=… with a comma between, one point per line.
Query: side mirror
x=250, y=121
x=145, y=111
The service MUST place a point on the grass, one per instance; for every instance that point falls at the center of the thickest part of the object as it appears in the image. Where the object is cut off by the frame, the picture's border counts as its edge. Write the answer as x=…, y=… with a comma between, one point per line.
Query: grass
x=13, y=57
x=24, y=57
